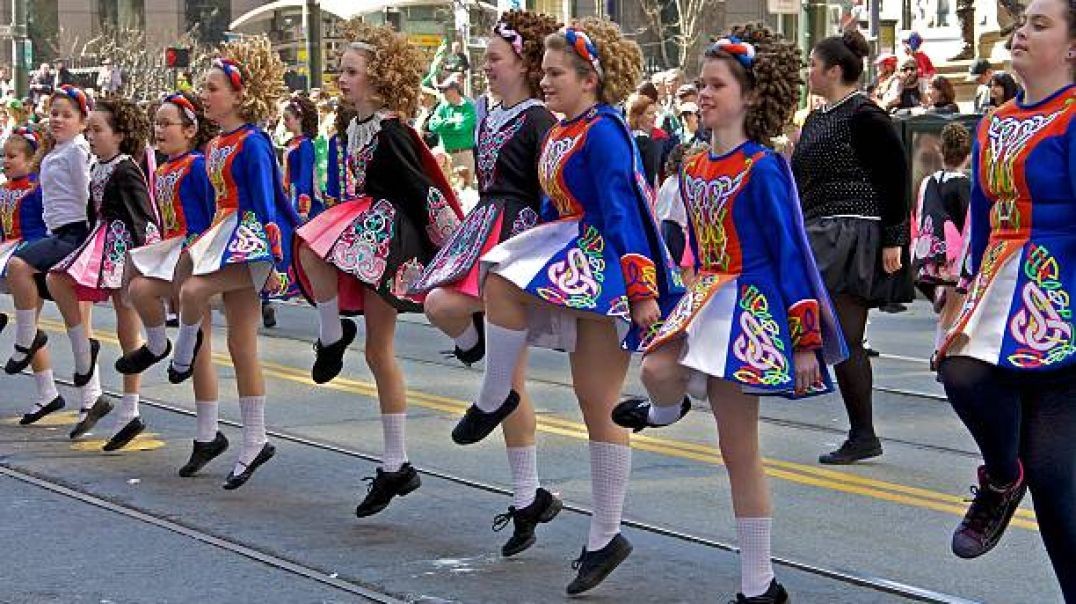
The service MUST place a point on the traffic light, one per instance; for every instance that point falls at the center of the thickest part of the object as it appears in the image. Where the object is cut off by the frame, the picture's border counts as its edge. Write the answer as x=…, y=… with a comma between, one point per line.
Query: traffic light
x=177, y=57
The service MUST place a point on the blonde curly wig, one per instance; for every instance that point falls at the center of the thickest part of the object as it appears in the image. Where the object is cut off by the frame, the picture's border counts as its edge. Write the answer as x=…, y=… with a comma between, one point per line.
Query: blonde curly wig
x=395, y=67
x=774, y=77
x=263, y=77
x=534, y=28
x=621, y=59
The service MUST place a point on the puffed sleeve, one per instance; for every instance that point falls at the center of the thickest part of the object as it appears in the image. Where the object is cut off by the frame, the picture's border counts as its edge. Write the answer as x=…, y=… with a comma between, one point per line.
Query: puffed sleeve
x=259, y=172
x=31, y=215
x=198, y=197
x=978, y=213
x=771, y=201
x=131, y=201
x=611, y=161
x=302, y=177
x=333, y=173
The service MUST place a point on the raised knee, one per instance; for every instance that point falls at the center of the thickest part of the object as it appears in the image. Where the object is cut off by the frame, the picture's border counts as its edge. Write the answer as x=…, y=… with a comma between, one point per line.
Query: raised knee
x=379, y=360
x=661, y=369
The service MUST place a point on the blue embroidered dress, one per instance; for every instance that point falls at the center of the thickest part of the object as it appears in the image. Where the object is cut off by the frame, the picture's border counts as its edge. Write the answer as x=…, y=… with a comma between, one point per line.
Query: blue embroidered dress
x=339, y=184
x=299, y=168
x=1022, y=249
x=20, y=218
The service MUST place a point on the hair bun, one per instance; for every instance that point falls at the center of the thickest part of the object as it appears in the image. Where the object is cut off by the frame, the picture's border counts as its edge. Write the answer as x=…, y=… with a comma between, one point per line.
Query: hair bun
x=856, y=43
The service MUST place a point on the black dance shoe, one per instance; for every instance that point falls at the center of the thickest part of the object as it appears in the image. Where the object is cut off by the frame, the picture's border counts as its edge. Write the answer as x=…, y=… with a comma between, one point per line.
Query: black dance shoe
x=476, y=424
x=101, y=408
x=544, y=508
x=81, y=379
x=478, y=351
x=268, y=315
x=386, y=485
x=852, y=451
x=55, y=405
x=329, y=360
x=141, y=359
x=125, y=435
x=775, y=594
x=234, y=481
x=178, y=377
x=989, y=515
x=13, y=366
x=634, y=413
x=594, y=567
x=203, y=453
x=3, y=321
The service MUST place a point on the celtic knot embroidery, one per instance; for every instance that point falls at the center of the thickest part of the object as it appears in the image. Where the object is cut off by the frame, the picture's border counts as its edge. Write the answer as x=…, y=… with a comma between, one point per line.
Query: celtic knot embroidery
x=363, y=247
x=249, y=243
x=759, y=345
x=1008, y=139
x=576, y=281
x=117, y=241
x=709, y=203
x=1043, y=324
x=489, y=149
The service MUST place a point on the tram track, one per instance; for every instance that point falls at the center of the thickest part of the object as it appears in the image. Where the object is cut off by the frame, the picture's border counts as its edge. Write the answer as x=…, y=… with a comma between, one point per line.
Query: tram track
x=877, y=584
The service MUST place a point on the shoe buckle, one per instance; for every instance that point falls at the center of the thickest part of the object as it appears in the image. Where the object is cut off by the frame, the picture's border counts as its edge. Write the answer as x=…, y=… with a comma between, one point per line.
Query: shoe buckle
x=369, y=480
x=501, y=520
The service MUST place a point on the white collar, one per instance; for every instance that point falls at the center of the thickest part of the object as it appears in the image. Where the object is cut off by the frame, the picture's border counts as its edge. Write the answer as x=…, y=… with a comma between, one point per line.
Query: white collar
x=359, y=134
x=499, y=115
x=850, y=95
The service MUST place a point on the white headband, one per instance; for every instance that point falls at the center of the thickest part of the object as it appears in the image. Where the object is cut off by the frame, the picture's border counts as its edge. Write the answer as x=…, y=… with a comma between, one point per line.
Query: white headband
x=362, y=46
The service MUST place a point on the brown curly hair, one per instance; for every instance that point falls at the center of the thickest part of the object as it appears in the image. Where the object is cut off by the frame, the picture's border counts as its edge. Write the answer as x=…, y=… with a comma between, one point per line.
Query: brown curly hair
x=128, y=119
x=621, y=59
x=303, y=108
x=262, y=73
x=394, y=70
x=533, y=27
x=955, y=144
x=773, y=78
x=206, y=129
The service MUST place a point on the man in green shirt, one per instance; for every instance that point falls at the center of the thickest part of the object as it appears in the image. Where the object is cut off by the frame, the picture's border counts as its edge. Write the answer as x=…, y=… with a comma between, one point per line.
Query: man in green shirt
x=454, y=121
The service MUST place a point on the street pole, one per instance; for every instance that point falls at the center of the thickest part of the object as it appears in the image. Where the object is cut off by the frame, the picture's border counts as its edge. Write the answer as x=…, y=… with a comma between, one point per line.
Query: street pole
x=313, y=43
x=19, y=61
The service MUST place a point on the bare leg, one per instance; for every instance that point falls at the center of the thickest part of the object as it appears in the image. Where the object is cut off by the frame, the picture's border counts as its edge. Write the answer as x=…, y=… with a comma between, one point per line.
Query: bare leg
x=450, y=311
x=322, y=275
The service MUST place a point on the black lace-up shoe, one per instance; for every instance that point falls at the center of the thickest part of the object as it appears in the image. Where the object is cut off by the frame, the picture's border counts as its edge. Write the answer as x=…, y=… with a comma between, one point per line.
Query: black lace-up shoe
x=54, y=405
x=386, y=485
x=473, y=355
x=12, y=367
x=988, y=516
x=126, y=434
x=329, y=360
x=594, y=567
x=852, y=451
x=775, y=594
x=544, y=508
x=203, y=453
x=176, y=376
x=634, y=413
x=141, y=359
x=476, y=424
x=101, y=408
x=81, y=379
x=234, y=481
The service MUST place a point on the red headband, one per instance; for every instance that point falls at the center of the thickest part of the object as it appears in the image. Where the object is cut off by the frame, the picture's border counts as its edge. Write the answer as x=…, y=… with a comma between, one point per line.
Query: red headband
x=184, y=105
x=231, y=70
x=84, y=103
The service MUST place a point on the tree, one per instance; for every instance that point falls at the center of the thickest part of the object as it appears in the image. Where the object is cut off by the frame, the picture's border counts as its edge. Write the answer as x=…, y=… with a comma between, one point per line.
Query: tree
x=681, y=26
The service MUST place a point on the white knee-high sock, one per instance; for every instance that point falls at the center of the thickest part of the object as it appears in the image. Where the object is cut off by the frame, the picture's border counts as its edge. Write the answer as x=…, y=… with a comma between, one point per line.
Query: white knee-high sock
x=395, y=443
x=610, y=466
x=329, y=330
x=208, y=413
x=756, y=569
x=46, y=386
x=663, y=415
x=468, y=339
x=128, y=408
x=89, y=393
x=252, y=410
x=25, y=330
x=502, y=352
x=183, y=353
x=156, y=339
x=524, y=464
x=80, y=348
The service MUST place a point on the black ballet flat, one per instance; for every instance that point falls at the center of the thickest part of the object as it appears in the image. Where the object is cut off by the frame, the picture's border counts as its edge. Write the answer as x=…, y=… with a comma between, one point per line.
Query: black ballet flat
x=594, y=567
x=100, y=408
x=126, y=434
x=478, y=351
x=176, y=376
x=634, y=413
x=54, y=405
x=477, y=424
x=12, y=367
x=775, y=594
x=81, y=379
x=141, y=359
x=234, y=481
x=203, y=453
x=329, y=360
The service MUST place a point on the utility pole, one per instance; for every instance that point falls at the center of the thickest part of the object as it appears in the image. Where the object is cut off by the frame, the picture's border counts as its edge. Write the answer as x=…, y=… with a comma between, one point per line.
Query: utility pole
x=313, y=43
x=20, y=57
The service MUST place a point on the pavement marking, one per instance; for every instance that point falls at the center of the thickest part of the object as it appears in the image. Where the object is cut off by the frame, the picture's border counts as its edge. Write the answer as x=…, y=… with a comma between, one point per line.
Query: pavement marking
x=142, y=442
x=804, y=474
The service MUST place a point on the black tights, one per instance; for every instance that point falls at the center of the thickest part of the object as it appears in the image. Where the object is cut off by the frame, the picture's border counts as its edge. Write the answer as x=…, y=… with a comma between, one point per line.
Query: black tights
x=1030, y=417
x=854, y=377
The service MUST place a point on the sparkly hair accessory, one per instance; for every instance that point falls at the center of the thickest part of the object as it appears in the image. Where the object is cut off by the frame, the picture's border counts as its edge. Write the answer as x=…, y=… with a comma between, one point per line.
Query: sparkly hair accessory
x=294, y=105
x=370, y=48
x=184, y=105
x=509, y=35
x=231, y=70
x=581, y=44
x=84, y=103
x=29, y=135
x=744, y=52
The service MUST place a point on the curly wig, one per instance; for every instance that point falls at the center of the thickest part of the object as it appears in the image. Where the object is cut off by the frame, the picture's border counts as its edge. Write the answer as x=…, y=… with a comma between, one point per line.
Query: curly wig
x=128, y=119
x=303, y=108
x=621, y=59
x=262, y=73
x=344, y=114
x=533, y=28
x=395, y=67
x=773, y=78
x=206, y=129
x=955, y=144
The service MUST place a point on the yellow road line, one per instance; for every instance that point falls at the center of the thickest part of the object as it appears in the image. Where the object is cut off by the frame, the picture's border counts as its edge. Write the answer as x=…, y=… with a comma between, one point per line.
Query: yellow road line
x=798, y=473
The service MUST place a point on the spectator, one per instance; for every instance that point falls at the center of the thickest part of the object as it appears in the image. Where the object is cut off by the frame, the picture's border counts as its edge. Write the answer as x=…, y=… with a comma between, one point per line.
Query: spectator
x=690, y=132
x=642, y=119
x=981, y=73
x=109, y=78
x=648, y=89
x=669, y=210
x=41, y=84
x=885, y=86
x=61, y=75
x=6, y=87
x=427, y=102
x=454, y=121
x=913, y=44
x=1003, y=88
x=941, y=96
x=457, y=62
x=909, y=95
